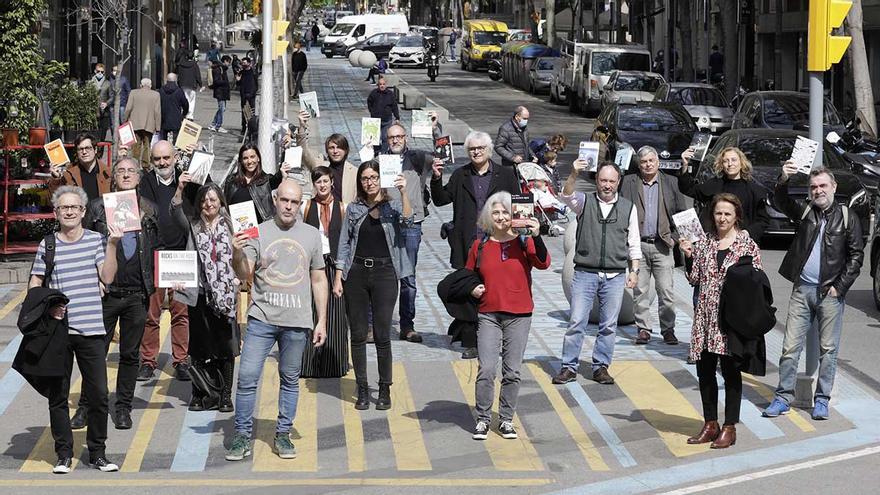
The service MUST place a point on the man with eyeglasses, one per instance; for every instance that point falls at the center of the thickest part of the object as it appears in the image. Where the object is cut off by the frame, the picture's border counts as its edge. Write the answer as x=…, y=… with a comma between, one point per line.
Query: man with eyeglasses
x=80, y=264
x=127, y=297
x=468, y=188
x=512, y=143
x=86, y=171
x=607, y=241
x=382, y=104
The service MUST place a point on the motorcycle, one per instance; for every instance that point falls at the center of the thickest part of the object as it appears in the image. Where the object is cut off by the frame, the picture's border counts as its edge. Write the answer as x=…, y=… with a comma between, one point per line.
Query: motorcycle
x=494, y=69
x=433, y=65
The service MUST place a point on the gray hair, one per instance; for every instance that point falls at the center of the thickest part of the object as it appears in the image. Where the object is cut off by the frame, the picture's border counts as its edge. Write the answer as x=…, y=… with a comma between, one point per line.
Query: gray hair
x=61, y=191
x=484, y=221
x=171, y=77
x=519, y=110
x=146, y=82
x=646, y=150
x=478, y=138
x=823, y=170
x=130, y=160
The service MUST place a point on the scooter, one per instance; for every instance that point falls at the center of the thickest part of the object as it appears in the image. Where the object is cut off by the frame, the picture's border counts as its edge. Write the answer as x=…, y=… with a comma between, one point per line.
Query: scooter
x=494, y=69
x=433, y=65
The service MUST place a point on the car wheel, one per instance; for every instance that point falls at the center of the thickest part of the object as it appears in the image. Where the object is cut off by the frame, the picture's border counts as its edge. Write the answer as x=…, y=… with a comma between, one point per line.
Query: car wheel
x=876, y=285
x=328, y=55
x=463, y=67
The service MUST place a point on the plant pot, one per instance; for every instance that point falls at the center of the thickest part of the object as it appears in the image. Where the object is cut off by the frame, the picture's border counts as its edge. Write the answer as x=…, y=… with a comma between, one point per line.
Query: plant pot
x=10, y=137
x=37, y=136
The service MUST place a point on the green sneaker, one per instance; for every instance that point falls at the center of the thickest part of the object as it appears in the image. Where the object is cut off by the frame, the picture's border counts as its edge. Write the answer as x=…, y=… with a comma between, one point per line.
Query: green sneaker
x=284, y=447
x=239, y=448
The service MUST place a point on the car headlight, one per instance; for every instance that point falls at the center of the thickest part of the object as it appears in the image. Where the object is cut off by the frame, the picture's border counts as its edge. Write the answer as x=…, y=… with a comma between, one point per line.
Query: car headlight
x=858, y=198
x=477, y=51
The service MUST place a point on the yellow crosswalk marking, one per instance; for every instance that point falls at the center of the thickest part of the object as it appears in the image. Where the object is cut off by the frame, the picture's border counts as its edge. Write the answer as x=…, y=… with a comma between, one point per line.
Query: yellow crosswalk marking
x=134, y=456
x=403, y=423
x=569, y=421
x=13, y=303
x=506, y=455
x=305, y=427
x=794, y=415
x=662, y=405
x=354, y=430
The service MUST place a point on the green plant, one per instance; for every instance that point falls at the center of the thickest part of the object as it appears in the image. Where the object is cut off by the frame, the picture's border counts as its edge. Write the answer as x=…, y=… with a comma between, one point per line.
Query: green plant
x=86, y=116
x=74, y=106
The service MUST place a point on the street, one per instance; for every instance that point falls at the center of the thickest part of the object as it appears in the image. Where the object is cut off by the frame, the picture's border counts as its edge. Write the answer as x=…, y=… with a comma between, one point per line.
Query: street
x=578, y=438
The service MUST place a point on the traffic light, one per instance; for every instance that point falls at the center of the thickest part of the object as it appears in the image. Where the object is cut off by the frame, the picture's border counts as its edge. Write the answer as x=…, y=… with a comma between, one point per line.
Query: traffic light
x=279, y=44
x=823, y=48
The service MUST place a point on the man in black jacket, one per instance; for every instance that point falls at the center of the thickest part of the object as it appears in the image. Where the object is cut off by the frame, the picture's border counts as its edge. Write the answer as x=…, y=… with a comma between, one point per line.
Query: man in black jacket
x=247, y=87
x=298, y=65
x=823, y=262
x=512, y=143
x=382, y=104
x=189, y=78
x=174, y=106
x=220, y=85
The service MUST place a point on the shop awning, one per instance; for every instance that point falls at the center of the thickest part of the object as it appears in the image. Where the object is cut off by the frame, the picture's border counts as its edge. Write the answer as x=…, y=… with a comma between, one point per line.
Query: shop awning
x=250, y=24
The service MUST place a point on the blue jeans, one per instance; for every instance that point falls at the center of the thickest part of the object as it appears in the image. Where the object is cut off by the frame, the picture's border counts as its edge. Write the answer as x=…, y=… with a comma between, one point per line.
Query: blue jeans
x=412, y=237
x=218, y=117
x=806, y=306
x=585, y=286
x=258, y=343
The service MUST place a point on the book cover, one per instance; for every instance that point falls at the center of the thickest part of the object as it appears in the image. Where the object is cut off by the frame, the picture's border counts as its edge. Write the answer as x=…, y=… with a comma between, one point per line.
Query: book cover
x=308, y=102
x=623, y=158
x=176, y=267
x=56, y=152
x=421, y=124
x=293, y=156
x=366, y=153
x=390, y=166
x=244, y=218
x=121, y=208
x=588, y=151
x=700, y=143
x=126, y=135
x=443, y=149
x=189, y=134
x=523, y=206
x=200, y=166
x=370, y=131
x=803, y=154
x=687, y=223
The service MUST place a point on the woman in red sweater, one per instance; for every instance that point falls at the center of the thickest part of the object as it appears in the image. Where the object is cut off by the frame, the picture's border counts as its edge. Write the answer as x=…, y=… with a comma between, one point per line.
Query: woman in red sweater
x=503, y=259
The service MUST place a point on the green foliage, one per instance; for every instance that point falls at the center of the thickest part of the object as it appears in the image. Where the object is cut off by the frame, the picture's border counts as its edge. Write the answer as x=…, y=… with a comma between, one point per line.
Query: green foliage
x=74, y=106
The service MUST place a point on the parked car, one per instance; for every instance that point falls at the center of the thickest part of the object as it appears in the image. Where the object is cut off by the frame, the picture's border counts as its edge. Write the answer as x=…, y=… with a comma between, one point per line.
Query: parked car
x=355, y=28
x=540, y=72
x=409, y=51
x=706, y=104
x=630, y=85
x=425, y=31
x=380, y=44
x=592, y=66
x=873, y=263
x=768, y=149
x=665, y=126
x=783, y=110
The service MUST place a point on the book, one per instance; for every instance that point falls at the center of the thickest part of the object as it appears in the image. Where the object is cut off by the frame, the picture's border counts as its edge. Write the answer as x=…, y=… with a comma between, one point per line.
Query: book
x=126, y=135
x=443, y=149
x=623, y=158
x=308, y=102
x=176, y=267
x=700, y=144
x=523, y=206
x=687, y=223
x=200, y=166
x=588, y=151
x=293, y=156
x=366, y=153
x=244, y=218
x=370, y=131
x=421, y=124
x=803, y=154
x=56, y=152
x=121, y=208
x=189, y=134
x=390, y=166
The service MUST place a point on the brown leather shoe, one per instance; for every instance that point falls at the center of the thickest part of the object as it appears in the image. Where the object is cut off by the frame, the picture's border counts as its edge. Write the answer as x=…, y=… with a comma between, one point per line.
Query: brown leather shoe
x=644, y=337
x=601, y=375
x=708, y=434
x=726, y=438
x=565, y=375
x=669, y=338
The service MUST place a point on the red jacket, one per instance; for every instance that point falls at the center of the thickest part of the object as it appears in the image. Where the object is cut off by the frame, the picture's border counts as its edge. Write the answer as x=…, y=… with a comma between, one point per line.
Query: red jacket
x=509, y=282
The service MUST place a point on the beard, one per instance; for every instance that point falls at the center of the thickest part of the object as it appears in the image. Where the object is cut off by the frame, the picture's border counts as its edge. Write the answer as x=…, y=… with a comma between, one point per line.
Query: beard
x=165, y=173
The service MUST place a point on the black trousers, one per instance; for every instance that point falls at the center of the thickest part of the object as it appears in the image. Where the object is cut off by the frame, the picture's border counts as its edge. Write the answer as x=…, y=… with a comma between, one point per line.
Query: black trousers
x=252, y=101
x=53, y=388
x=706, y=367
x=91, y=358
x=373, y=289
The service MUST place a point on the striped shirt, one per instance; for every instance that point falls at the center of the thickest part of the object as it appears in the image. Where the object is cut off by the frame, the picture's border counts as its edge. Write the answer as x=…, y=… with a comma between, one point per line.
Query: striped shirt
x=76, y=275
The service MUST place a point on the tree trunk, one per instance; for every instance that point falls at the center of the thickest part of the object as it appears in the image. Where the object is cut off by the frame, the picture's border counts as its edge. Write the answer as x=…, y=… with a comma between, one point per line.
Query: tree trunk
x=864, y=95
x=683, y=21
x=730, y=46
x=550, y=25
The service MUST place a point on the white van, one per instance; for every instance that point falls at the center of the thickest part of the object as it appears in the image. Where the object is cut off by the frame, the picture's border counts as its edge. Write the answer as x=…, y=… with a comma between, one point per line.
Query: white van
x=353, y=28
x=591, y=68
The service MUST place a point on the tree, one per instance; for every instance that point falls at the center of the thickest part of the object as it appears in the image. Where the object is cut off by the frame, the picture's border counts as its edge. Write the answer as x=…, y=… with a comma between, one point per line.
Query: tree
x=864, y=95
x=684, y=22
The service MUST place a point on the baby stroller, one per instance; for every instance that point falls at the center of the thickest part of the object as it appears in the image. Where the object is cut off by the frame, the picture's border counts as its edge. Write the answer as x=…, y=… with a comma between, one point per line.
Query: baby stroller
x=551, y=213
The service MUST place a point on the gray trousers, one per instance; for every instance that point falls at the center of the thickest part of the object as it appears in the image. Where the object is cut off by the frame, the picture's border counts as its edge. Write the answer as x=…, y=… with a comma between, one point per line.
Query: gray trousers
x=503, y=335
x=657, y=262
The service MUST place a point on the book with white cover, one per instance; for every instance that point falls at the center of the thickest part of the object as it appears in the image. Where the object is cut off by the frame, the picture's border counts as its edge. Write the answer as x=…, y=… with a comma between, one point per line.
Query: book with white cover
x=308, y=102
x=177, y=267
x=390, y=166
x=366, y=153
x=687, y=223
x=623, y=158
x=804, y=154
x=200, y=166
x=293, y=156
x=244, y=218
x=588, y=151
x=421, y=124
x=126, y=135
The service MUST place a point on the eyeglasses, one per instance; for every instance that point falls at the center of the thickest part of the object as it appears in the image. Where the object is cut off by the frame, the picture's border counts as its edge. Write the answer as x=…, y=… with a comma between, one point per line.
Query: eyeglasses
x=397, y=137
x=477, y=149
x=85, y=148
x=67, y=208
x=367, y=180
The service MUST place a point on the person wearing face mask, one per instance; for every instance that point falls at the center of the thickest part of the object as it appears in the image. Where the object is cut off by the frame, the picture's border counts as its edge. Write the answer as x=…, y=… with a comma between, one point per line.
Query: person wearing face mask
x=106, y=96
x=298, y=65
x=250, y=183
x=336, y=150
x=512, y=143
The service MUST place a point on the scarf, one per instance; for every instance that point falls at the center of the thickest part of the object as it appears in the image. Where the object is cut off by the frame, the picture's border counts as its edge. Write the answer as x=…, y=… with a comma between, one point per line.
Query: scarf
x=325, y=212
x=215, y=253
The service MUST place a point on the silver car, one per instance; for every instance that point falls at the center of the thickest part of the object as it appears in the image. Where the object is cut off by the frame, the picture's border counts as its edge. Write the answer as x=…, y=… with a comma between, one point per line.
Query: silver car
x=705, y=103
x=540, y=73
x=631, y=86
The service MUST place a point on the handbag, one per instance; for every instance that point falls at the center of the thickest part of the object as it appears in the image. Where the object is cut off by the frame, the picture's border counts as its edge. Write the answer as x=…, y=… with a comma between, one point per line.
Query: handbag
x=207, y=379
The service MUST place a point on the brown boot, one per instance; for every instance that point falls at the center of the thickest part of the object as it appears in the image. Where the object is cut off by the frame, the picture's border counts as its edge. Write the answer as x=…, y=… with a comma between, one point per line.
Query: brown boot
x=707, y=434
x=726, y=438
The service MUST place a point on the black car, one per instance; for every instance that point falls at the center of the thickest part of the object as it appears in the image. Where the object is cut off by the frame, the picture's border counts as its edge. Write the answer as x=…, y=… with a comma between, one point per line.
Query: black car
x=768, y=149
x=783, y=110
x=874, y=260
x=379, y=43
x=666, y=126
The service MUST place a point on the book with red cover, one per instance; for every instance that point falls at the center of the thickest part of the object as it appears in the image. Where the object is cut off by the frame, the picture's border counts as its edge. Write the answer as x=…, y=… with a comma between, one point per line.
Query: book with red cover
x=121, y=208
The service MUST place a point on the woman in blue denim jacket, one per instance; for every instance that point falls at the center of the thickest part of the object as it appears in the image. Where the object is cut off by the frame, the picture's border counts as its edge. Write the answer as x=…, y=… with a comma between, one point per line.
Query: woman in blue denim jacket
x=372, y=260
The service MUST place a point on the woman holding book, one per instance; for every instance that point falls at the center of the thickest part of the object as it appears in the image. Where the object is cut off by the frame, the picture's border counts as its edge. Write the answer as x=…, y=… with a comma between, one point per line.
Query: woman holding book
x=251, y=183
x=371, y=260
x=325, y=213
x=214, y=336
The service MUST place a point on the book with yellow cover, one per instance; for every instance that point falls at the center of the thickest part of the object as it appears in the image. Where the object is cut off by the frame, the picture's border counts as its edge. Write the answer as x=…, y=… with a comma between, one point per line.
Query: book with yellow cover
x=56, y=152
x=189, y=134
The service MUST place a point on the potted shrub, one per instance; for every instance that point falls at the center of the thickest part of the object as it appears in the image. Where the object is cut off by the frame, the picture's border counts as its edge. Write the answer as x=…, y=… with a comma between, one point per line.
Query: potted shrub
x=86, y=109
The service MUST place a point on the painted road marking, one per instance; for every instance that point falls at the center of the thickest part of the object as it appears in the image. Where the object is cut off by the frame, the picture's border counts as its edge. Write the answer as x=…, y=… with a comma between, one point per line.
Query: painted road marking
x=662, y=405
x=11, y=349
x=194, y=442
x=794, y=415
x=251, y=482
x=13, y=303
x=305, y=427
x=10, y=386
x=506, y=455
x=354, y=430
x=404, y=427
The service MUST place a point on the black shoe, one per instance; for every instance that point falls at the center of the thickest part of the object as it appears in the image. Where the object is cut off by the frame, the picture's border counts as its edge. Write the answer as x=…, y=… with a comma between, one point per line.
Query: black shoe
x=507, y=430
x=103, y=464
x=181, y=372
x=122, y=420
x=145, y=373
x=410, y=336
x=195, y=403
x=63, y=465
x=669, y=338
x=565, y=375
x=79, y=419
x=644, y=337
x=601, y=376
x=225, y=404
x=363, y=398
x=470, y=353
x=384, y=400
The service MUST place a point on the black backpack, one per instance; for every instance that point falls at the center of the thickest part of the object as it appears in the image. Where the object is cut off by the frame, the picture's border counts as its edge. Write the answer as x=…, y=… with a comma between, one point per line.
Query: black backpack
x=48, y=258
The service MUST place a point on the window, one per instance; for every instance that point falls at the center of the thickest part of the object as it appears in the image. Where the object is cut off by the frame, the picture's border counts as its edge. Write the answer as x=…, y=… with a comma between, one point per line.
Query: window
x=699, y=96
x=650, y=118
x=604, y=63
x=795, y=111
x=410, y=41
x=342, y=29
x=637, y=83
x=361, y=29
x=496, y=38
x=772, y=152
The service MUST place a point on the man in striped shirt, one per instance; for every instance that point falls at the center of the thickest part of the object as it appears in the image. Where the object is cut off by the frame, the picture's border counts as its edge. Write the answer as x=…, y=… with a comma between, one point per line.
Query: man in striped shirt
x=81, y=263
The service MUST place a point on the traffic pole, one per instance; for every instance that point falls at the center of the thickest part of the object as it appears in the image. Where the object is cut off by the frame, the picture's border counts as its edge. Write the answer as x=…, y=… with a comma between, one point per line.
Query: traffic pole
x=264, y=136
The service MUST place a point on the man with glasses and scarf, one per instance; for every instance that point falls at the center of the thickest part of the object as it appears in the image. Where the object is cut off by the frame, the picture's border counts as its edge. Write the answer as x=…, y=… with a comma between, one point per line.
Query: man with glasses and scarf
x=607, y=241
x=86, y=171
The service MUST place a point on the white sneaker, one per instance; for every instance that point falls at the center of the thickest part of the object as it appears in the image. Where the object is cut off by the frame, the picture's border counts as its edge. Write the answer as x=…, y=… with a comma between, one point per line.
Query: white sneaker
x=221, y=130
x=211, y=128
x=62, y=466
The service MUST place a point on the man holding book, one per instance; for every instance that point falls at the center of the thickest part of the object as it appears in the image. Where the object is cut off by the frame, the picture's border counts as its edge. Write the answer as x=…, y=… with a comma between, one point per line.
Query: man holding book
x=86, y=171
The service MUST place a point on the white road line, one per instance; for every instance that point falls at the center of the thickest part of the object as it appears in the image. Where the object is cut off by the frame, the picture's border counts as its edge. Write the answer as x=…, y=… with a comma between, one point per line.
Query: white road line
x=775, y=471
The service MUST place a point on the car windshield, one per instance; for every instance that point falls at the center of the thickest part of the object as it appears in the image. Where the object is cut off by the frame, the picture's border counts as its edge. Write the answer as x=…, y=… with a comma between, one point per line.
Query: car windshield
x=790, y=112
x=642, y=119
x=604, y=63
x=545, y=64
x=341, y=29
x=709, y=97
x=490, y=38
x=637, y=83
x=774, y=151
x=411, y=41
